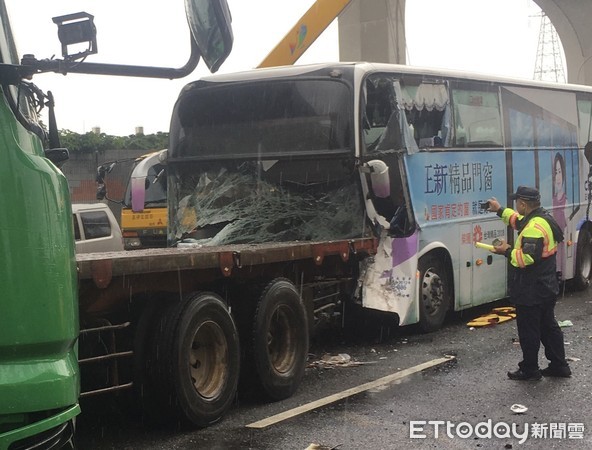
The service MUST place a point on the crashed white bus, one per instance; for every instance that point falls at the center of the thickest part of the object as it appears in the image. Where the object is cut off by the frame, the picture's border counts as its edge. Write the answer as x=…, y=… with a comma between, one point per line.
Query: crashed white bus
x=339, y=151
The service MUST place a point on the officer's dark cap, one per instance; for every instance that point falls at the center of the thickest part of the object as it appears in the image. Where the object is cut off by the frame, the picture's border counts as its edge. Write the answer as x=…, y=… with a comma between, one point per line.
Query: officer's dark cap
x=529, y=194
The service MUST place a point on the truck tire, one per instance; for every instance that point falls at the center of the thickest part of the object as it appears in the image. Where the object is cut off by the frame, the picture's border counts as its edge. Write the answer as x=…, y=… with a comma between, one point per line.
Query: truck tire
x=434, y=293
x=280, y=339
x=583, y=260
x=197, y=358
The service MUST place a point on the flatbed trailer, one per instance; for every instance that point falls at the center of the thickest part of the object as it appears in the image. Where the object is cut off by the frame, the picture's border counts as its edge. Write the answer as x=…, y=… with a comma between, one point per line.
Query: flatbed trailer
x=179, y=324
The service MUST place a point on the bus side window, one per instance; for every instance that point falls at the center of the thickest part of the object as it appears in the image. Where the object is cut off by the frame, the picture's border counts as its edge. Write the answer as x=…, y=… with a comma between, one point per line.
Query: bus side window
x=427, y=110
x=378, y=111
x=379, y=103
x=427, y=127
x=477, y=117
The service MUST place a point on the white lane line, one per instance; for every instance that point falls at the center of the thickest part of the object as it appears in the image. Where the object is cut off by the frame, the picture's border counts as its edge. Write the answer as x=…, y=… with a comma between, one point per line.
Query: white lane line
x=347, y=393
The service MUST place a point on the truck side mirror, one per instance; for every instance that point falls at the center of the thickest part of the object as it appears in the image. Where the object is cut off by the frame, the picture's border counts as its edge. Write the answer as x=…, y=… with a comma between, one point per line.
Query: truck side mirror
x=58, y=156
x=103, y=170
x=210, y=24
x=211, y=39
x=101, y=191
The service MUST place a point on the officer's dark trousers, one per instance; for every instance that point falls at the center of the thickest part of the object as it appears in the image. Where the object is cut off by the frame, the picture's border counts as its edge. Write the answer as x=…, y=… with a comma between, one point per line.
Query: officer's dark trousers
x=537, y=324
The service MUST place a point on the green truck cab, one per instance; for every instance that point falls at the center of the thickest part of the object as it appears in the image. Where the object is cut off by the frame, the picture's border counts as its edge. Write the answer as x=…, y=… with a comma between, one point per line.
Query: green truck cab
x=39, y=300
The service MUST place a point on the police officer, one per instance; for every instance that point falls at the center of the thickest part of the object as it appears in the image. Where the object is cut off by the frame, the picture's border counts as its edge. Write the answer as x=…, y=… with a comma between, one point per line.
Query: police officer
x=533, y=283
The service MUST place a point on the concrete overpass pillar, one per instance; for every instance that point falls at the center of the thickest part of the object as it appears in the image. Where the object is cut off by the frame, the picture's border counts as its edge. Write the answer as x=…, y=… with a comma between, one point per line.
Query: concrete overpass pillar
x=571, y=20
x=373, y=30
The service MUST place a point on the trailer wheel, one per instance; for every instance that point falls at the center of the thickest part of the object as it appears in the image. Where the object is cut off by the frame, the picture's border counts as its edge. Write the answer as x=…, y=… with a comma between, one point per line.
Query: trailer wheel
x=280, y=339
x=434, y=294
x=583, y=260
x=197, y=359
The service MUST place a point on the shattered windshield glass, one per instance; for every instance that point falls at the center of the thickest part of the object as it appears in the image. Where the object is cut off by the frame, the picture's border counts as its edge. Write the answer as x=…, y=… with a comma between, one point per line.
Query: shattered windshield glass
x=223, y=203
x=264, y=161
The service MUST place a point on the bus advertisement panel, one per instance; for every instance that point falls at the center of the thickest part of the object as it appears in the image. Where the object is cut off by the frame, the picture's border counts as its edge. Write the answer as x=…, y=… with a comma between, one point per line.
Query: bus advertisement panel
x=473, y=138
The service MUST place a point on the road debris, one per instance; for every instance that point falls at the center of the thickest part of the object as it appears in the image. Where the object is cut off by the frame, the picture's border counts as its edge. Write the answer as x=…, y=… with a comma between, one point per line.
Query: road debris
x=314, y=446
x=565, y=323
x=497, y=315
x=518, y=408
x=341, y=360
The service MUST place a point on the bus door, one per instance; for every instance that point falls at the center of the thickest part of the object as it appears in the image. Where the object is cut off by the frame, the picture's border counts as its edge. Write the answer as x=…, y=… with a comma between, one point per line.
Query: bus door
x=482, y=274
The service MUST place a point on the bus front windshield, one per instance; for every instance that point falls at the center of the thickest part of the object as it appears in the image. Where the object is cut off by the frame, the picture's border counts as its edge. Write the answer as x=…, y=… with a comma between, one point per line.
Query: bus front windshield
x=264, y=161
x=263, y=119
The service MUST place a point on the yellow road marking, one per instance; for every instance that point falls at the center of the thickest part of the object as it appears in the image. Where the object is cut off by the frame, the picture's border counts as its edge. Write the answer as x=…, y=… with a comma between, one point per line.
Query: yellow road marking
x=347, y=393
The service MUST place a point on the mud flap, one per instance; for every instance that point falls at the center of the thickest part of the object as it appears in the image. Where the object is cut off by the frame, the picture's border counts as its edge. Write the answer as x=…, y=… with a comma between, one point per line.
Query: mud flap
x=390, y=281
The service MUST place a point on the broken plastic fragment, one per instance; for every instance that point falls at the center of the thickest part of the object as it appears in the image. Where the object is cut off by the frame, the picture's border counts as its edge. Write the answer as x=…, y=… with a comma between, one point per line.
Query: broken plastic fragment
x=565, y=323
x=314, y=446
x=340, y=360
x=518, y=409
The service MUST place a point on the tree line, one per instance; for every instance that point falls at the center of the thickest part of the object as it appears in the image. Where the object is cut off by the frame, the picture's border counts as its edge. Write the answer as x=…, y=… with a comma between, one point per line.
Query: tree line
x=92, y=142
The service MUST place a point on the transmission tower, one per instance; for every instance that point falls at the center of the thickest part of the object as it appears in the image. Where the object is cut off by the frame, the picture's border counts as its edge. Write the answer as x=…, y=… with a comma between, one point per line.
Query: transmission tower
x=549, y=58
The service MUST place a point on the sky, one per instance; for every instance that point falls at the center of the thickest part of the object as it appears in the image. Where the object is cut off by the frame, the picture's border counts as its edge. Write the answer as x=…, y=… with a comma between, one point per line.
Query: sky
x=496, y=37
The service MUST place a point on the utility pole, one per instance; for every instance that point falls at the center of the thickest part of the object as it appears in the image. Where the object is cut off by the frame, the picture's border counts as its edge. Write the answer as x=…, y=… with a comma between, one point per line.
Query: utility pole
x=549, y=57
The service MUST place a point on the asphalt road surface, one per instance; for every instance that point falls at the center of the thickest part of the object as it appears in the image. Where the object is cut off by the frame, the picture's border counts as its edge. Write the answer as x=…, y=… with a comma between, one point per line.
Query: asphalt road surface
x=462, y=403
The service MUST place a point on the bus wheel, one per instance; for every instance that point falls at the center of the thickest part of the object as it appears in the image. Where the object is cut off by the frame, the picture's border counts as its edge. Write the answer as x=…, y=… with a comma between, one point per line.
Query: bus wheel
x=434, y=294
x=583, y=260
x=280, y=339
x=197, y=358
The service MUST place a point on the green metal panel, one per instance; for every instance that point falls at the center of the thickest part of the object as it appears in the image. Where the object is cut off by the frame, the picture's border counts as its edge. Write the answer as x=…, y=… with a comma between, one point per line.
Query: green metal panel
x=38, y=286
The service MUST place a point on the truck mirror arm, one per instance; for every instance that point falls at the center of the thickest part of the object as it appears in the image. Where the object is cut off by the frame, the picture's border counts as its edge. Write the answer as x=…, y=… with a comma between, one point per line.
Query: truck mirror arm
x=31, y=66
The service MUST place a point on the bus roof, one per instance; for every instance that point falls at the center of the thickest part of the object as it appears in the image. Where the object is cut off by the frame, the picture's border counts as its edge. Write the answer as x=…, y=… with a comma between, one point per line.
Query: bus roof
x=284, y=71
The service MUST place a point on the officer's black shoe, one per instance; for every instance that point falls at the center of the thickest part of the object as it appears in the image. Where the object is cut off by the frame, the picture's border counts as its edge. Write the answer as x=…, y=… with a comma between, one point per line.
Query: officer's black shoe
x=525, y=376
x=560, y=372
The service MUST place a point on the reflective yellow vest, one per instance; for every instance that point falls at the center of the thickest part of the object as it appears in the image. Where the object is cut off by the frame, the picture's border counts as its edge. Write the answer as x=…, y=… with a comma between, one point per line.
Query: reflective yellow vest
x=536, y=228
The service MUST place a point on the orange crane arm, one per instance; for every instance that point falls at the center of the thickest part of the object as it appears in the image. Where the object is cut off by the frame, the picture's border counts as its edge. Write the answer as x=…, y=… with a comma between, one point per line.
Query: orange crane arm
x=304, y=33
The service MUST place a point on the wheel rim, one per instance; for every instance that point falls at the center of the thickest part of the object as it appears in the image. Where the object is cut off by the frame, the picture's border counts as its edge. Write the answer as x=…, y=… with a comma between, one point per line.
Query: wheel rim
x=208, y=361
x=432, y=292
x=281, y=340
